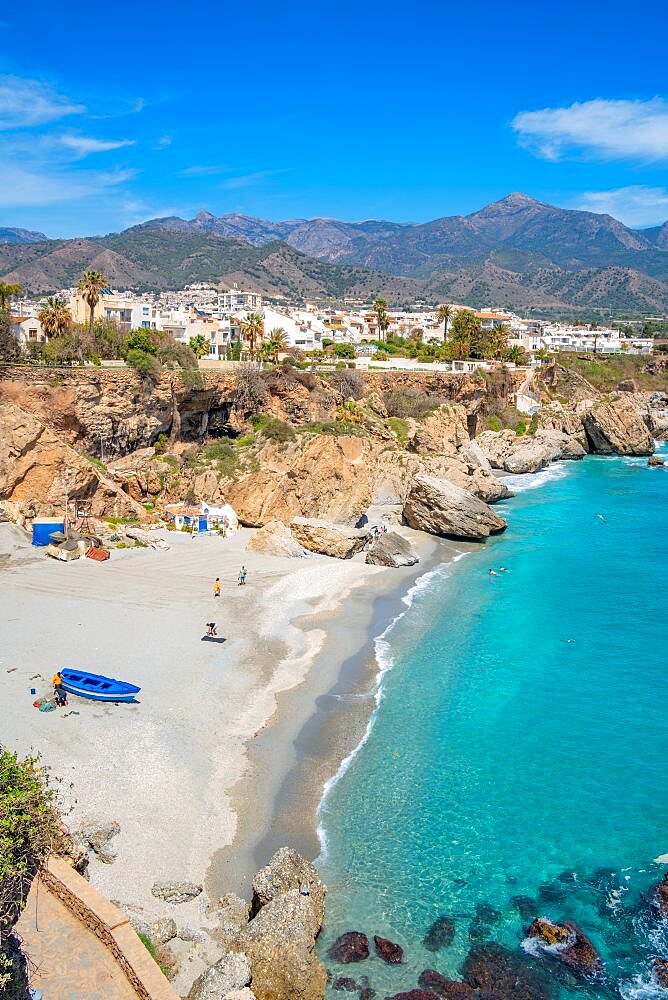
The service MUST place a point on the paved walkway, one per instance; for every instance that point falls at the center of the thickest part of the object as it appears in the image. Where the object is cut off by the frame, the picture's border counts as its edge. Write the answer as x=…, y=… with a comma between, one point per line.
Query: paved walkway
x=67, y=960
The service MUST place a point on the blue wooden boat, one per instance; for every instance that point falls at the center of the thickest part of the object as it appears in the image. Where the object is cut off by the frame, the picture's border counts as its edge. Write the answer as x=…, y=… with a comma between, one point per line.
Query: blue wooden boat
x=97, y=687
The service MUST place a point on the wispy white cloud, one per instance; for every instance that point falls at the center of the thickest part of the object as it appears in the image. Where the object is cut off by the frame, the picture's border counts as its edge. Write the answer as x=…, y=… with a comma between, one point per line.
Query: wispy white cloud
x=636, y=206
x=598, y=129
x=164, y=141
x=26, y=103
x=203, y=170
x=248, y=180
x=25, y=187
x=83, y=145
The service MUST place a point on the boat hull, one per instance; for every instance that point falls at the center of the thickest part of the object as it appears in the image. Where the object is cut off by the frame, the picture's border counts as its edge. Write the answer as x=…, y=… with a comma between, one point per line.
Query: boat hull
x=96, y=687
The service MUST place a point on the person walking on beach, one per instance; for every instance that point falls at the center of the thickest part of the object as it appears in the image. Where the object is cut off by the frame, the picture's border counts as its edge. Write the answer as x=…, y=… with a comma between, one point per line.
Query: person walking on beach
x=216, y=587
x=59, y=691
x=242, y=576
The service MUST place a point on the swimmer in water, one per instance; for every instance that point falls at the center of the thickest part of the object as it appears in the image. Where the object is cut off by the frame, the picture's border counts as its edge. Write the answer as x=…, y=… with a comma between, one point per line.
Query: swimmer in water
x=493, y=572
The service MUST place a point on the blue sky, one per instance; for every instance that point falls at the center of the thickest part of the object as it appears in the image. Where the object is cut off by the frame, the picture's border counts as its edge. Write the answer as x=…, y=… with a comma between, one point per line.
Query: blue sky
x=112, y=115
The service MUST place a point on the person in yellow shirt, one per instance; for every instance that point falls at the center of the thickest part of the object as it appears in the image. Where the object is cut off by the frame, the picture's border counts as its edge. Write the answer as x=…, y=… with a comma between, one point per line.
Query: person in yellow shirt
x=58, y=689
x=216, y=587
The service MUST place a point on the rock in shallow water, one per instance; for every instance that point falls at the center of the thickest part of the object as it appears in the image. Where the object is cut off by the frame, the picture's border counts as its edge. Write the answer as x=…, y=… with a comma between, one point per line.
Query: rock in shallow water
x=501, y=974
x=345, y=983
x=414, y=995
x=387, y=950
x=574, y=948
x=661, y=971
x=440, y=934
x=353, y=946
x=447, y=989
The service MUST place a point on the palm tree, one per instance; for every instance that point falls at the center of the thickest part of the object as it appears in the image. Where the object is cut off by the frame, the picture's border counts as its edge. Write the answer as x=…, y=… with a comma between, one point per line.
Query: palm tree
x=7, y=291
x=444, y=314
x=199, y=345
x=380, y=309
x=90, y=285
x=278, y=341
x=55, y=317
x=252, y=330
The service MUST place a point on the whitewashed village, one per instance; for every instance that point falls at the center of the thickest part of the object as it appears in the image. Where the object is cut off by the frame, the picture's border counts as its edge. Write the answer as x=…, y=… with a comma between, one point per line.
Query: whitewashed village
x=217, y=317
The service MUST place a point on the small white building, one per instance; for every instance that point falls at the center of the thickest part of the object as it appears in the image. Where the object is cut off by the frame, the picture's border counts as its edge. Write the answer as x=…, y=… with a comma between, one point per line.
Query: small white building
x=201, y=517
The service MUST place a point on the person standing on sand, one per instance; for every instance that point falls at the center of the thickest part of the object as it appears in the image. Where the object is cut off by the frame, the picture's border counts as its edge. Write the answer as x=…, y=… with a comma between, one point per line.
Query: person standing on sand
x=216, y=587
x=242, y=576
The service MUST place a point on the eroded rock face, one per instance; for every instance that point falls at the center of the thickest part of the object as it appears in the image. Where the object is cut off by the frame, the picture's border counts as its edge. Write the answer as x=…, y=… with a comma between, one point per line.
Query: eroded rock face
x=231, y=972
x=280, y=945
x=37, y=467
x=328, y=538
x=574, y=948
x=353, y=946
x=391, y=549
x=276, y=539
x=500, y=973
x=528, y=453
x=288, y=870
x=439, y=507
x=389, y=951
x=614, y=425
x=443, y=432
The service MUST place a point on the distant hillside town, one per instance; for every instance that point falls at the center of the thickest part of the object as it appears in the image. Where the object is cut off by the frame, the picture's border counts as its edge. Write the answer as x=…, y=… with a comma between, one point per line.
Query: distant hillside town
x=214, y=320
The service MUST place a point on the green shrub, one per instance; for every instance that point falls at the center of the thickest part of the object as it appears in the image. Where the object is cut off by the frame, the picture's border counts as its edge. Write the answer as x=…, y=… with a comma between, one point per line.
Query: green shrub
x=533, y=424
x=245, y=441
x=161, y=444
x=493, y=423
x=144, y=363
x=520, y=428
x=97, y=463
x=400, y=428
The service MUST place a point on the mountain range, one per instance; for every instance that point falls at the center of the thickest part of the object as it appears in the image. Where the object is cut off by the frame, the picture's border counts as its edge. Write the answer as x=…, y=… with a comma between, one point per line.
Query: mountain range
x=517, y=252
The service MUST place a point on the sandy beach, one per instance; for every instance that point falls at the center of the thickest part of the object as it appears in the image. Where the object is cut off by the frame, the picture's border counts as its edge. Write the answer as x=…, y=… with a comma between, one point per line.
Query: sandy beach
x=174, y=768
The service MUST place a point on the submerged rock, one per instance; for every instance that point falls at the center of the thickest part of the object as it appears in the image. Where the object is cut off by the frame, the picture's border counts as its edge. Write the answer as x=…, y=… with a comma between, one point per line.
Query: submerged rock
x=175, y=892
x=441, y=508
x=344, y=983
x=353, y=946
x=414, y=995
x=525, y=906
x=440, y=934
x=387, y=950
x=573, y=947
x=447, y=989
x=501, y=974
x=391, y=549
x=486, y=914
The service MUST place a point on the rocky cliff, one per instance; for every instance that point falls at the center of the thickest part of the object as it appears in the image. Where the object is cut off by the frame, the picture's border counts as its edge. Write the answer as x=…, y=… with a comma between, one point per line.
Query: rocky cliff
x=285, y=444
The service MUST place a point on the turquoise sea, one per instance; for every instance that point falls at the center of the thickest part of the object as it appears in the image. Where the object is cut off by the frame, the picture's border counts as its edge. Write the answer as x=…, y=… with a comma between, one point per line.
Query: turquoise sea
x=520, y=743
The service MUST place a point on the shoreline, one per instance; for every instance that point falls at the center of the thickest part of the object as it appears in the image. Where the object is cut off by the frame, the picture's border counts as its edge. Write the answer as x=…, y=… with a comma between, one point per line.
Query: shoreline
x=319, y=724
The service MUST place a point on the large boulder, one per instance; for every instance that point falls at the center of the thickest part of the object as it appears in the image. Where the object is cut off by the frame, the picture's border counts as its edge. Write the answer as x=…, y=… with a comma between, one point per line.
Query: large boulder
x=288, y=870
x=614, y=426
x=230, y=973
x=276, y=539
x=447, y=989
x=441, y=934
x=660, y=895
x=327, y=538
x=96, y=834
x=391, y=549
x=280, y=945
x=441, y=508
x=389, y=951
x=569, y=944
